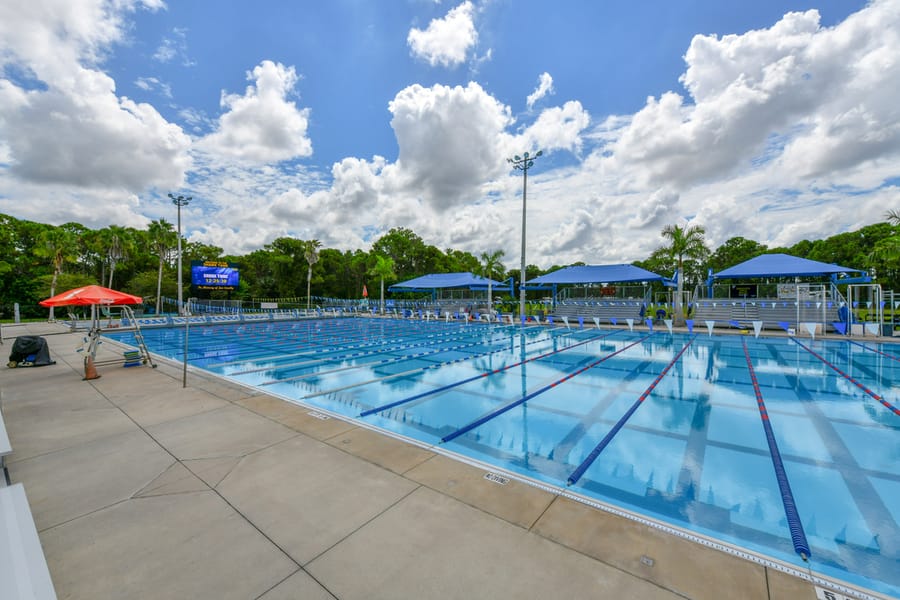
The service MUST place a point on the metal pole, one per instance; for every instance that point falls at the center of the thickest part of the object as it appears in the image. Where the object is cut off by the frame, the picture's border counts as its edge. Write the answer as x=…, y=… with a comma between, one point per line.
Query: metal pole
x=523, y=163
x=522, y=271
x=180, y=201
x=185, y=361
x=180, y=311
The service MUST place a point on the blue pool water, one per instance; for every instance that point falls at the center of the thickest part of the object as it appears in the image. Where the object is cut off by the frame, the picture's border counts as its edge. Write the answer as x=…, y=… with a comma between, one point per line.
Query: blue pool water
x=671, y=426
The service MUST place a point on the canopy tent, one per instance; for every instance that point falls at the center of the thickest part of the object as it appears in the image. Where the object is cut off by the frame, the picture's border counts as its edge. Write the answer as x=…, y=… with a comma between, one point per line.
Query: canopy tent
x=782, y=265
x=90, y=295
x=440, y=281
x=595, y=274
x=603, y=274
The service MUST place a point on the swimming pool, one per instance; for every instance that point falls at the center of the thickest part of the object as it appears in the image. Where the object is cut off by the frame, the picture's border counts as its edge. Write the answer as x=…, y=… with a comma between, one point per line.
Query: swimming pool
x=774, y=445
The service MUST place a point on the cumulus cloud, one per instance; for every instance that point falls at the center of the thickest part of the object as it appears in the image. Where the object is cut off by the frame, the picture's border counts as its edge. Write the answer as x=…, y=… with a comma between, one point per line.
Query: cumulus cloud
x=445, y=41
x=72, y=128
x=262, y=125
x=452, y=140
x=558, y=128
x=796, y=78
x=545, y=86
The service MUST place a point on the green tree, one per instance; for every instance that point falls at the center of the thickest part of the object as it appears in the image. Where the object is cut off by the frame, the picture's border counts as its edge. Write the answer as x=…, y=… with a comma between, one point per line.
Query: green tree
x=383, y=269
x=684, y=242
x=311, y=254
x=735, y=251
x=162, y=238
x=59, y=246
x=118, y=243
x=490, y=264
x=405, y=249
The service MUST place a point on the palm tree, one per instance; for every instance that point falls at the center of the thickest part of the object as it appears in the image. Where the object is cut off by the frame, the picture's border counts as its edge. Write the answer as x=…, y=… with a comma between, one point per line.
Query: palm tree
x=893, y=216
x=59, y=245
x=490, y=263
x=311, y=253
x=118, y=246
x=162, y=239
x=684, y=242
x=383, y=269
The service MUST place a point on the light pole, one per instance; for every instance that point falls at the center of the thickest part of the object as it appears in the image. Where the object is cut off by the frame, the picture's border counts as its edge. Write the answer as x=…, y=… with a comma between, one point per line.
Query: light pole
x=523, y=163
x=179, y=201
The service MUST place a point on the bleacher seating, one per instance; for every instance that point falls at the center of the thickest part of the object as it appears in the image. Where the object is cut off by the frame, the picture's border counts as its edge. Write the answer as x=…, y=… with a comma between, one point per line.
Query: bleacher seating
x=608, y=311
x=771, y=311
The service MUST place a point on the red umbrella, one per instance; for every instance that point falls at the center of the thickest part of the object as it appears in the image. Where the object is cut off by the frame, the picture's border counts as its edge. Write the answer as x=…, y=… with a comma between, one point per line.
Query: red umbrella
x=91, y=294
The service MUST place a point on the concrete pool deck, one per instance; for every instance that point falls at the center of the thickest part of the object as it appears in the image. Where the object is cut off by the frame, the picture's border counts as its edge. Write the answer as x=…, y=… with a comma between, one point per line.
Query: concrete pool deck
x=141, y=488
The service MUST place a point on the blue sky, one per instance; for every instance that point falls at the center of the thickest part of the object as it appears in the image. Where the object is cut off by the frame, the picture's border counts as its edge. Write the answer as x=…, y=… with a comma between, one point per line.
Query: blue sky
x=339, y=120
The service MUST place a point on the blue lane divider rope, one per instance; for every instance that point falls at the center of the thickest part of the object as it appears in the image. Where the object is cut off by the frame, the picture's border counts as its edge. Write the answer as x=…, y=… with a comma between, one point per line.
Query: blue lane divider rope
x=798, y=536
x=885, y=354
x=878, y=397
x=390, y=405
x=481, y=421
x=587, y=462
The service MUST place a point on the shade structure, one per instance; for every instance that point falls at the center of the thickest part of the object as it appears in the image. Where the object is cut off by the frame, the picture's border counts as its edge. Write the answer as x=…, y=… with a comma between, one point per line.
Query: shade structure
x=596, y=274
x=437, y=281
x=91, y=294
x=781, y=265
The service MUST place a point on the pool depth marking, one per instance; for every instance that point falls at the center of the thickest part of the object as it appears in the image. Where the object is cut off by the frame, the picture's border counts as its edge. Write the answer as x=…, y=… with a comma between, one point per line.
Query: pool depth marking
x=496, y=413
x=587, y=462
x=798, y=536
x=390, y=405
x=421, y=369
x=881, y=399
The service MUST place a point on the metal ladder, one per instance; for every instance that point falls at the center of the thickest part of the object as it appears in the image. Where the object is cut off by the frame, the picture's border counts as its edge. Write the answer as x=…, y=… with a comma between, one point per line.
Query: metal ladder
x=138, y=336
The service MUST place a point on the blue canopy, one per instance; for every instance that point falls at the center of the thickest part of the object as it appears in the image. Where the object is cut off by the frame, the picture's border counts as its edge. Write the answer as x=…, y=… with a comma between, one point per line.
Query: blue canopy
x=596, y=274
x=781, y=265
x=437, y=281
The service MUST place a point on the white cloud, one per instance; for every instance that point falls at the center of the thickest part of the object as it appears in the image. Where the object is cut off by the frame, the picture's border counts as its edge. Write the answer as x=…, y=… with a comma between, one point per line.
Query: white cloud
x=445, y=41
x=262, y=126
x=558, y=128
x=73, y=129
x=149, y=84
x=545, y=86
x=793, y=77
x=452, y=140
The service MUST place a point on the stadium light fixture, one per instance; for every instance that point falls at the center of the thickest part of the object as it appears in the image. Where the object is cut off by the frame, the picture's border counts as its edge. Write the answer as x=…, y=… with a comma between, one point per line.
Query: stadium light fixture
x=523, y=163
x=180, y=201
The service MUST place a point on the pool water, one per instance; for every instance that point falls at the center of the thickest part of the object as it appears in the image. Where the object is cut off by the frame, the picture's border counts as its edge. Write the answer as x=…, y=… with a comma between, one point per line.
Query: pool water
x=671, y=426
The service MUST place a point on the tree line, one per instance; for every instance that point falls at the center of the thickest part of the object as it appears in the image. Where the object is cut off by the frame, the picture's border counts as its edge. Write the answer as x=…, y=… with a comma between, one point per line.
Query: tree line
x=38, y=260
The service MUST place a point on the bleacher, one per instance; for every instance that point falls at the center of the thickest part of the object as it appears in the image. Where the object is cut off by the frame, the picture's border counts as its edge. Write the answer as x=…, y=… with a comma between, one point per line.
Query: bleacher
x=608, y=311
x=773, y=312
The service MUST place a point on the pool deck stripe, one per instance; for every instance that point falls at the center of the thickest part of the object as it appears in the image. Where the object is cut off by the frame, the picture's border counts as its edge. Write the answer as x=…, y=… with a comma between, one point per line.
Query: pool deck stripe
x=798, y=536
x=390, y=405
x=496, y=413
x=587, y=462
x=852, y=380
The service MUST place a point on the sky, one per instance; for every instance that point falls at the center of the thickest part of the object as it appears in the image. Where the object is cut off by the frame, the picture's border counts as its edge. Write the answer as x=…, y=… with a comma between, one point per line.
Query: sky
x=339, y=120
